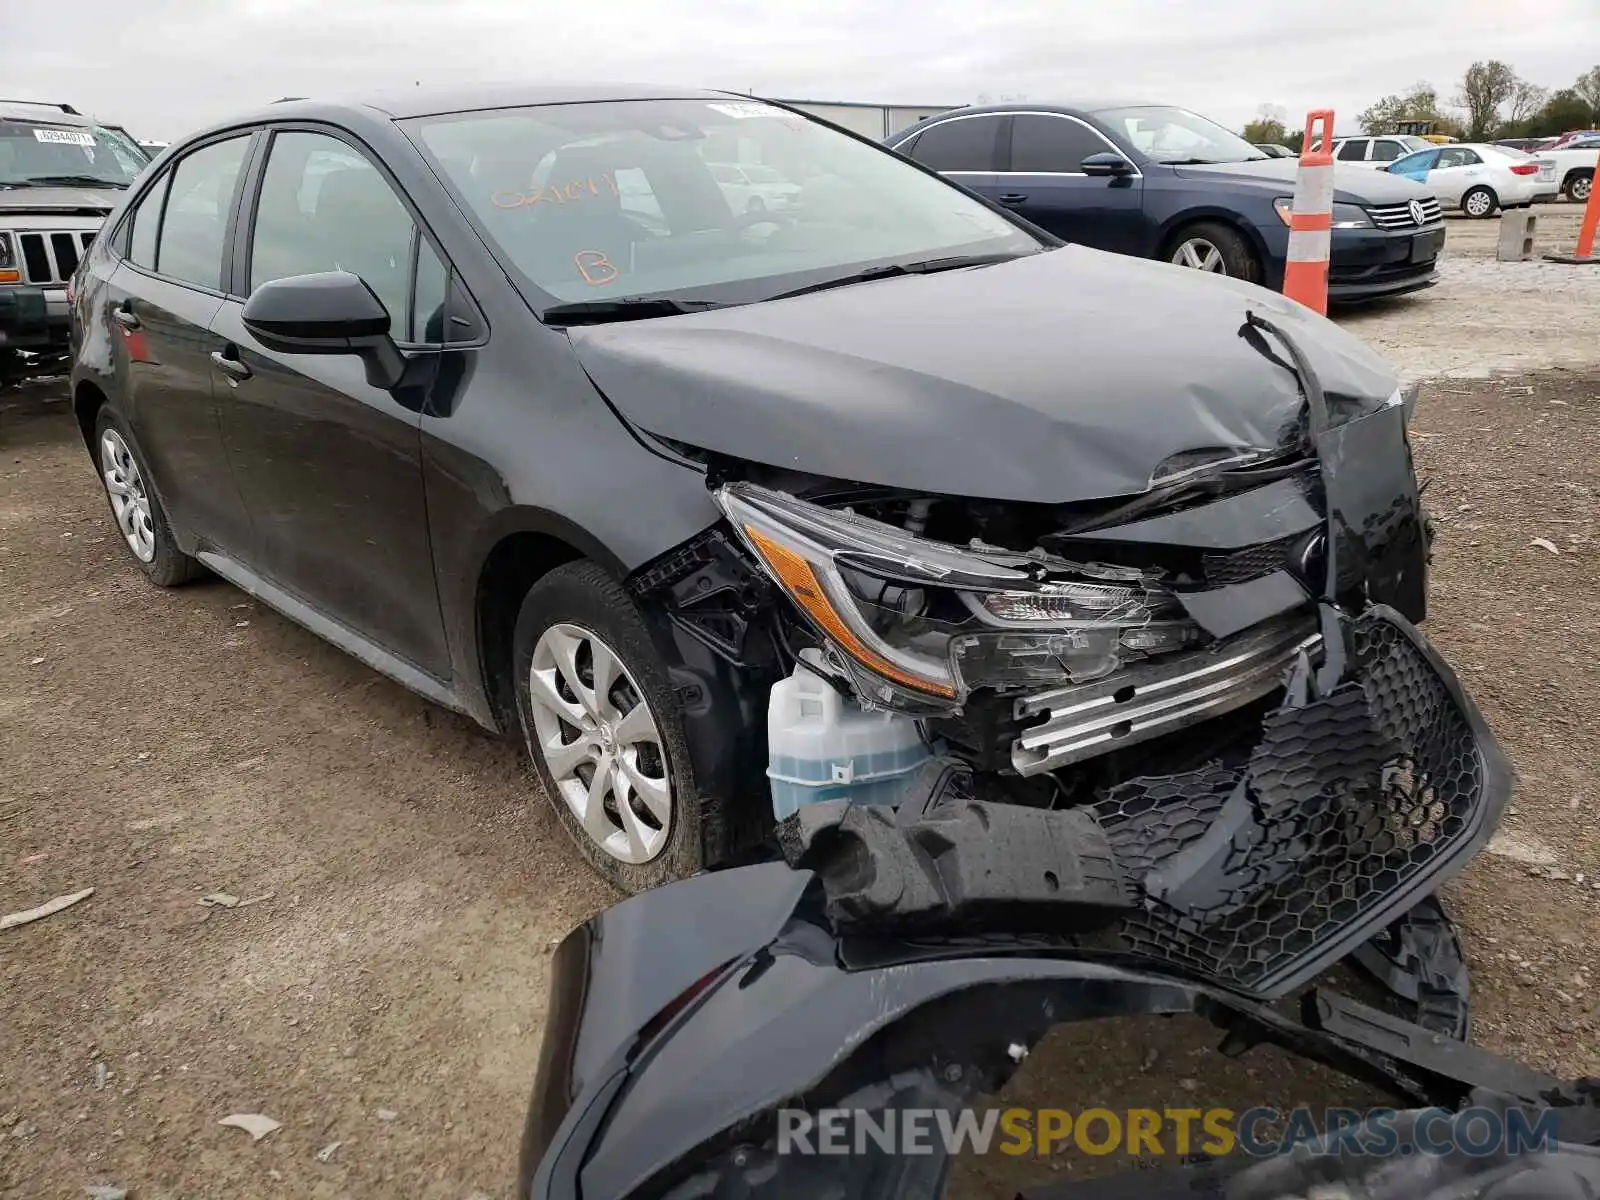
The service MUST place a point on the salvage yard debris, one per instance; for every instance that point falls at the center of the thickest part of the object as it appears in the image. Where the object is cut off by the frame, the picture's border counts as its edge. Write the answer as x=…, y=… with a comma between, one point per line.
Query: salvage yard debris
x=257, y=1125
x=49, y=908
x=1545, y=544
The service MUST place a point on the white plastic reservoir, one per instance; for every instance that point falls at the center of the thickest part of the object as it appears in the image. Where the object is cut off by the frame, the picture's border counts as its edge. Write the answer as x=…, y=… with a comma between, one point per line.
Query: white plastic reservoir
x=824, y=746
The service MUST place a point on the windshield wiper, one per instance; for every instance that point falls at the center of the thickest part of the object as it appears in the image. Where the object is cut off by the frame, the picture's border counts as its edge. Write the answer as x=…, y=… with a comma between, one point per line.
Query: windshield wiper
x=927, y=266
x=627, y=308
x=74, y=181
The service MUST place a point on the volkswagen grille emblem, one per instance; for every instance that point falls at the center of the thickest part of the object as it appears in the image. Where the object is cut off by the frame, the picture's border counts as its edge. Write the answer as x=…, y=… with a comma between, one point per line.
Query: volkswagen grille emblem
x=1418, y=215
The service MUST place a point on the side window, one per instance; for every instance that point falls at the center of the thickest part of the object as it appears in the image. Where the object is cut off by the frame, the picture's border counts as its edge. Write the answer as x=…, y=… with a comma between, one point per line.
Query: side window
x=1415, y=163
x=143, y=225
x=428, y=298
x=190, y=248
x=1040, y=143
x=1353, y=151
x=325, y=207
x=962, y=144
x=1386, y=150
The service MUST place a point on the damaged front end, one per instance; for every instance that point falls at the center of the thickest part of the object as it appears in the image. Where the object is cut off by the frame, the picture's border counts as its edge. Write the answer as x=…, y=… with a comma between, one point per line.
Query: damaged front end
x=1211, y=699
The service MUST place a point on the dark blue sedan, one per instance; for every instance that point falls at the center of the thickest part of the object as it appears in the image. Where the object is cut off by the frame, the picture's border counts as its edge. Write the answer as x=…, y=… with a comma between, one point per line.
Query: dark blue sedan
x=1162, y=182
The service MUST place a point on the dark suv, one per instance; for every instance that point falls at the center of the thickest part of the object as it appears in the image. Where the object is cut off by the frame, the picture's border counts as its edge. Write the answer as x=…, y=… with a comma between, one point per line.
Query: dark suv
x=1163, y=182
x=504, y=394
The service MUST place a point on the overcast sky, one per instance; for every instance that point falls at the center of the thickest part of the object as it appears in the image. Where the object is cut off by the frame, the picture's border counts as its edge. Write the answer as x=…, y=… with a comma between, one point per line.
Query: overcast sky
x=164, y=67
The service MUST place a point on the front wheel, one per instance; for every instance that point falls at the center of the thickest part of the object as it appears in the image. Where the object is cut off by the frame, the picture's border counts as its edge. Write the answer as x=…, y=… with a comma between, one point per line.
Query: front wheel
x=603, y=729
x=1216, y=249
x=1480, y=202
x=1577, y=186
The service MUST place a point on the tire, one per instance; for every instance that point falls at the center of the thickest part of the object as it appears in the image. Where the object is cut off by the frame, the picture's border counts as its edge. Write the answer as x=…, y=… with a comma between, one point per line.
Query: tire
x=136, y=511
x=1577, y=186
x=1221, y=248
x=1480, y=202
x=565, y=617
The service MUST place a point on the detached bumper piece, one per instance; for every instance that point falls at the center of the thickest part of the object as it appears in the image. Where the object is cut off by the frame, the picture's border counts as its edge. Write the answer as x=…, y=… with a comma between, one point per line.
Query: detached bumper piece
x=1373, y=780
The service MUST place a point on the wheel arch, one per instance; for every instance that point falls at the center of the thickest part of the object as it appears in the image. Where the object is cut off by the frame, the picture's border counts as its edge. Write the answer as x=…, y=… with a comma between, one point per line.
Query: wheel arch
x=521, y=547
x=87, y=401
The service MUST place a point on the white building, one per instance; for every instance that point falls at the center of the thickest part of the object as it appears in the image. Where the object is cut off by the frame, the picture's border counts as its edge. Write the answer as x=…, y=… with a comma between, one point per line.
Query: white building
x=876, y=121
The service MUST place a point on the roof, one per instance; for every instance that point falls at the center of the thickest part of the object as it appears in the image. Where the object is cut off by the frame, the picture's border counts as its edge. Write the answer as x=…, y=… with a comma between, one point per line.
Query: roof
x=425, y=102
x=39, y=110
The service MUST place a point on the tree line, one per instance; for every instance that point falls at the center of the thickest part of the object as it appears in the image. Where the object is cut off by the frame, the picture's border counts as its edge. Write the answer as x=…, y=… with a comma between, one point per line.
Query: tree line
x=1491, y=101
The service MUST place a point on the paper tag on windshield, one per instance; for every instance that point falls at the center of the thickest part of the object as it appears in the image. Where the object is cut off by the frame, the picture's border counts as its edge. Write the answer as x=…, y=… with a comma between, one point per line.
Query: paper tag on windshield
x=744, y=109
x=65, y=137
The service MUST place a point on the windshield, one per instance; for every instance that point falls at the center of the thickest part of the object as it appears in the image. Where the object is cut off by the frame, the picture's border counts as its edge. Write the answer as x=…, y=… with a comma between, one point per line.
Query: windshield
x=732, y=201
x=1176, y=135
x=39, y=154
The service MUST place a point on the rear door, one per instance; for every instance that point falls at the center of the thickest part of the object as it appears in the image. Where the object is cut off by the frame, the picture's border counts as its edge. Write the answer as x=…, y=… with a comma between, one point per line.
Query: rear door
x=1353, y=150
x=330, y=466
x=163, y=296
x=1042, y=177
x=967, y=149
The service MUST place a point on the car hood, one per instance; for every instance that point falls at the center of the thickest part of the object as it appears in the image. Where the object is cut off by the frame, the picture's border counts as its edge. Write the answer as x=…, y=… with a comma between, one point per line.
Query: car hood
x=1351, y=185
x=1064, y=376
x=84, y=201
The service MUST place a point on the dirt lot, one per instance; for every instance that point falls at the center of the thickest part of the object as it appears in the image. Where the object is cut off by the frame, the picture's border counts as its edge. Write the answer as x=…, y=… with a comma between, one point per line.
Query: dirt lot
x=386, y=991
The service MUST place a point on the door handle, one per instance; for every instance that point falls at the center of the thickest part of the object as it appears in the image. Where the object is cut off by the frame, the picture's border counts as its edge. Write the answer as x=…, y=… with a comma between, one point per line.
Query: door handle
x=125, y=317
x=1013, y=197
x=230, y=365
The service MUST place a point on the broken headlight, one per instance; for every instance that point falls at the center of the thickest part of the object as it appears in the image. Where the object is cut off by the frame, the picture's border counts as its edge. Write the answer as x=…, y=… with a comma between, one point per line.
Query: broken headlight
x=922, y=624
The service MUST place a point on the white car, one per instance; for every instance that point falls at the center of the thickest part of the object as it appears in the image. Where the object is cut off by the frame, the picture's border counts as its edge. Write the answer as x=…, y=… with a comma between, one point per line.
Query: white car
x=1479, y=179
x=751, y=187
x=1574, y=166
x=1376, y=153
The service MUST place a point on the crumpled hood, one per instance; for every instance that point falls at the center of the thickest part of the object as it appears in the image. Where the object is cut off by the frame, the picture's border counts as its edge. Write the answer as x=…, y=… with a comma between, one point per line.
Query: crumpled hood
x=1068, y=375
x=84, y=201
x=1351, y=185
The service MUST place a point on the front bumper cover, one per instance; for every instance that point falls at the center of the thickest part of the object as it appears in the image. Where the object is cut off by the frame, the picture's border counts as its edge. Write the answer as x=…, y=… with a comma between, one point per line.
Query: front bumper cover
x=1357, y=800
x=33, y=317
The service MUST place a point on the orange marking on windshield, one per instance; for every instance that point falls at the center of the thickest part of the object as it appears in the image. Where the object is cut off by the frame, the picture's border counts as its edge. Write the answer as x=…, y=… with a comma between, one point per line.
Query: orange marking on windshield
x=597, y=270
x=555, y=193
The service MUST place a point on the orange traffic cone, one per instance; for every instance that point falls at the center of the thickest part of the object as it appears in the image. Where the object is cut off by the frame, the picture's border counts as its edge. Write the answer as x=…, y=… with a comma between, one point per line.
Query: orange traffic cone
x=1586, y=231
x=1305, y=274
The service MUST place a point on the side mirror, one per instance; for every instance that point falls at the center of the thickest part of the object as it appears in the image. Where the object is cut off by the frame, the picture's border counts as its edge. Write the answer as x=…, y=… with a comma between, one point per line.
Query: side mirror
x=1106, y=165
x=332, y=312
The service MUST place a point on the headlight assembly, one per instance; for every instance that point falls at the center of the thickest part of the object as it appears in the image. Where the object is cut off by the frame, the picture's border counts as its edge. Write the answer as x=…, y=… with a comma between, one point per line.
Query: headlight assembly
x=8, y=251
x=1345, y=216
x=921, y=624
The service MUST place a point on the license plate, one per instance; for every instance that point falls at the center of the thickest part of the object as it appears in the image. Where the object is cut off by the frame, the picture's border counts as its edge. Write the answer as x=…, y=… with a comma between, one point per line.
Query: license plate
x=1425, y=246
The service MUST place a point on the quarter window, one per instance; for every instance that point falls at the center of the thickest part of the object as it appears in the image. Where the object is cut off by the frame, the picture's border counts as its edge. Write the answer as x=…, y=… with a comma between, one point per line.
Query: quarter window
x=145, y=223
x=428, y=302
x=1040, y=143
x=962, y=144
x=326, y=207
x=197, y=210
x=1386, y=151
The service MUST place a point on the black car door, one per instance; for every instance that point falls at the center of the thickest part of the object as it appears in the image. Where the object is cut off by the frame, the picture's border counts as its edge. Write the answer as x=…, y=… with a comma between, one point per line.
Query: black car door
x=330, y=466
x=163, y=296
x=1043, y=179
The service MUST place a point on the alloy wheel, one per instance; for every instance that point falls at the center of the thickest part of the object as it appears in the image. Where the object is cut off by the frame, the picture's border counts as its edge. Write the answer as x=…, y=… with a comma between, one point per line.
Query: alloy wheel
x=1200, y=255
x=1580, y=189
x=130, y=503
x=601, y=744
x=1479, y=204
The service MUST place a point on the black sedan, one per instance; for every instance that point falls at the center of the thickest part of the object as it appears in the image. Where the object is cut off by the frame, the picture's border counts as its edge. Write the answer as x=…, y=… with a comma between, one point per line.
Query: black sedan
x=1162, y=182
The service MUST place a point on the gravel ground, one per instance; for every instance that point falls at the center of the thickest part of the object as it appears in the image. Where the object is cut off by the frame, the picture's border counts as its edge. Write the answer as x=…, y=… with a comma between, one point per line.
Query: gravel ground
x=385, y=990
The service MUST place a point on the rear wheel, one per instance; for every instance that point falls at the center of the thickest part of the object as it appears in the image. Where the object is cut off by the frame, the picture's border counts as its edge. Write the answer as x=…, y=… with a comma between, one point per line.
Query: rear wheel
x=1215, y=248
x=1577, y=186
x=1479, y=202
x=603, y=729
x=140, y=519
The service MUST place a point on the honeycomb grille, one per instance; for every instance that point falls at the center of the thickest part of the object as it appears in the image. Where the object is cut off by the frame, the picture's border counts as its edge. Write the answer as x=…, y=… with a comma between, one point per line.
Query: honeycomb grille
x=1248, y=871
x=1241, y=566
